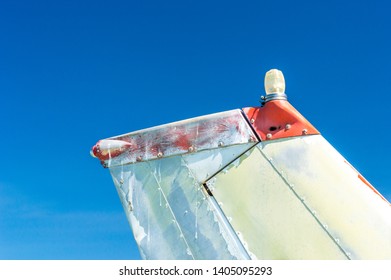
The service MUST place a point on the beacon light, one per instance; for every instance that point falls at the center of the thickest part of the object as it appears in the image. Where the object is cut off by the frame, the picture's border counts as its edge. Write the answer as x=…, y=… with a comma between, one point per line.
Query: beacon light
x=274, y=85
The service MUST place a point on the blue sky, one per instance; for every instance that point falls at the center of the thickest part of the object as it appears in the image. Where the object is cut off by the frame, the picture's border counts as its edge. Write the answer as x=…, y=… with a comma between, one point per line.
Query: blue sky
x=74, y=72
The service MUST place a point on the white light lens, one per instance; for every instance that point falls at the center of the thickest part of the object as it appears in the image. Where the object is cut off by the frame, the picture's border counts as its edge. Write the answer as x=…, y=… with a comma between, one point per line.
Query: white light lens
x=274, y=82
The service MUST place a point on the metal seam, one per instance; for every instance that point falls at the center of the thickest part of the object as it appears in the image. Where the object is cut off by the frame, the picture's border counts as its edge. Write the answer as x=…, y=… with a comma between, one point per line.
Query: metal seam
x=217, y=209
x=245, y=117
x=172, y=213
x=347, y=254
x=224, y=166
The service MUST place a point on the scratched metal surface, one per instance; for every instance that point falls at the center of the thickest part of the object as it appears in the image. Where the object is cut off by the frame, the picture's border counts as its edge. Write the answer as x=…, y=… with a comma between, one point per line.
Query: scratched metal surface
x=170, y=213
x=160, y=183
x=183, y=137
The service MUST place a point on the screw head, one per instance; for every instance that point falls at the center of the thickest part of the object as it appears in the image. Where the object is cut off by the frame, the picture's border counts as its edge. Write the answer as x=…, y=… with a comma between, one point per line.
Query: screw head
x=305, y=131
x=139, y=158
x=269, y=136
x=191, y=149
x=159, y=155
x=288, y=126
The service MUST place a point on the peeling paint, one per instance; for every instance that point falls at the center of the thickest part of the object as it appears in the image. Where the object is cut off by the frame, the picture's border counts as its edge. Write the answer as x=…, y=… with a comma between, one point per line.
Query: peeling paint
x=188, y=136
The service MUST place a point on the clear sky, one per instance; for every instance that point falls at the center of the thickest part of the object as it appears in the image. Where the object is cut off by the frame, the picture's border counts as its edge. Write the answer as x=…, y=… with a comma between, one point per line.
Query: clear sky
x=73, y=72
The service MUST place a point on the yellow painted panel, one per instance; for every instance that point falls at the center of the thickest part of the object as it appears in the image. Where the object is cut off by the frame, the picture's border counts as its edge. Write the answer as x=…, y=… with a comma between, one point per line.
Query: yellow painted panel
x=271, y=221
x=357, y=217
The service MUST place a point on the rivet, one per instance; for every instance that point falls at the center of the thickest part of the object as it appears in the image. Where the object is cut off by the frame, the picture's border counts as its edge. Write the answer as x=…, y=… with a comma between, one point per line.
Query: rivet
x=221, y=144
x=139, y=158
x=252, y=120
x=121, y=181
x=191, y=149
x=263, y=97
x=288, y=126
x=159, y=155
x=269, y=135
x=305, y=131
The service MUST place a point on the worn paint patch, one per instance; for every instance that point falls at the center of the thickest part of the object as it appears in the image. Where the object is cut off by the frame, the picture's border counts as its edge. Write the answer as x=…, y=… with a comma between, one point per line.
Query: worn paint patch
x=184, y=137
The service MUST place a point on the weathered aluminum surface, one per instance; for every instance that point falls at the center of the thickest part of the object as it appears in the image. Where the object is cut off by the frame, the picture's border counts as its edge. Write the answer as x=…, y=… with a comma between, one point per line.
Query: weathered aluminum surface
x=188, y=136
x=297, y=198
x=171, y=214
